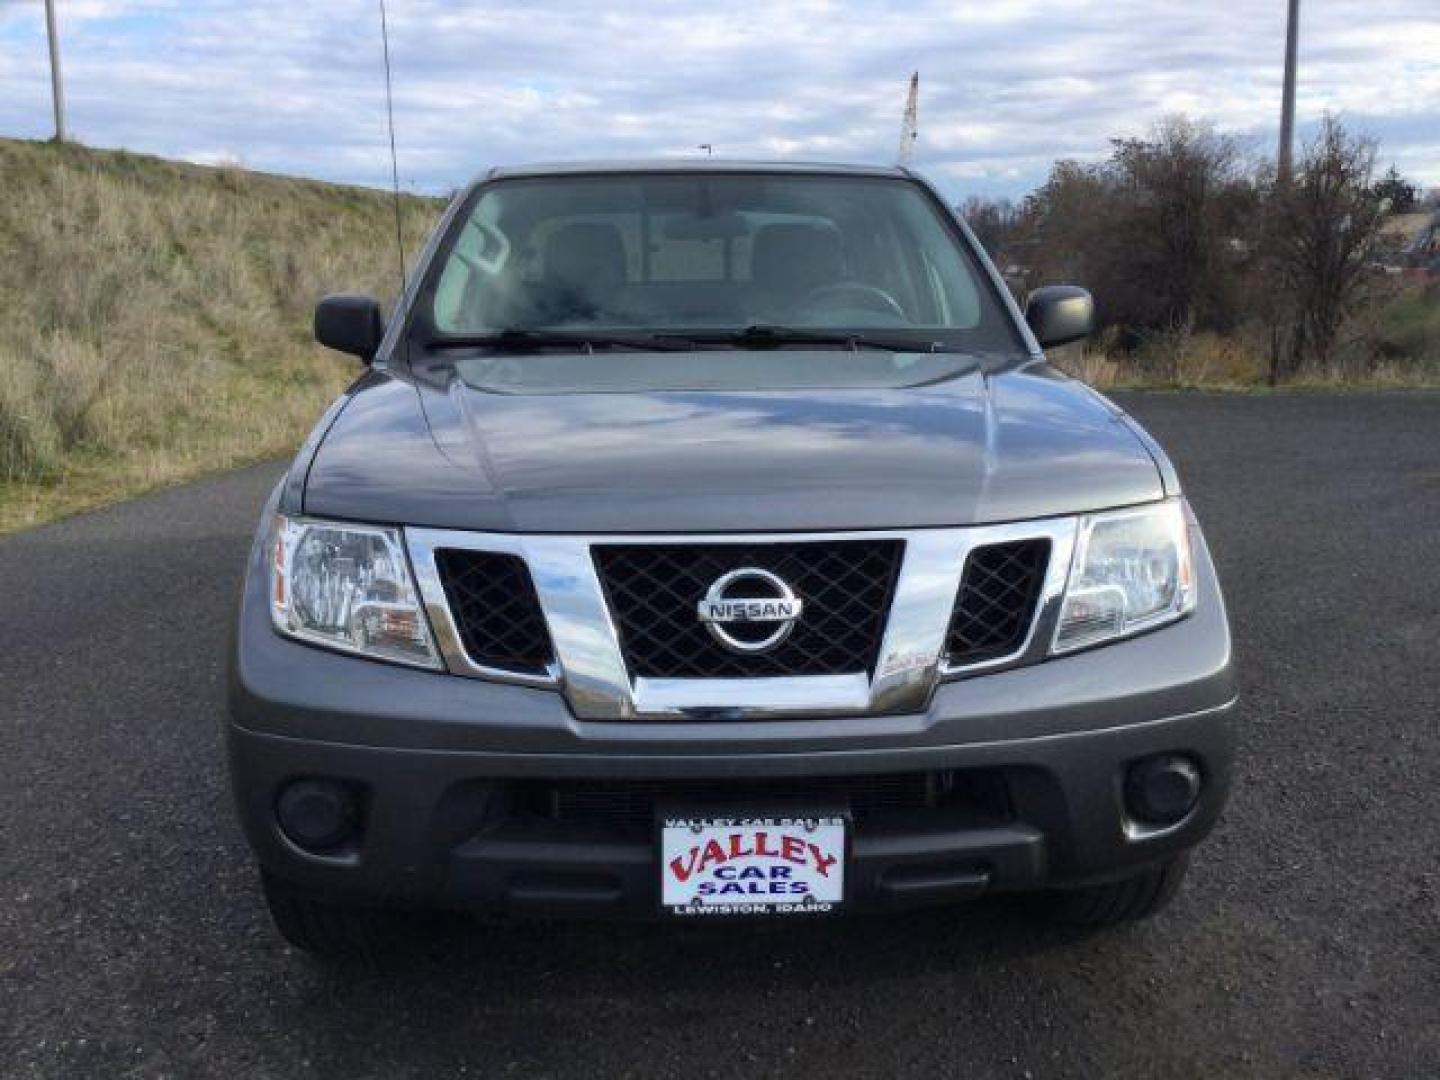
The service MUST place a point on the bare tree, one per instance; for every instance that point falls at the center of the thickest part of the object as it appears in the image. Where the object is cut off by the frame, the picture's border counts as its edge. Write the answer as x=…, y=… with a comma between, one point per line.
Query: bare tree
x=992, y=220
x=1066, y=231
x=1322, y=230
x=1155, y=231
x=1188, y=193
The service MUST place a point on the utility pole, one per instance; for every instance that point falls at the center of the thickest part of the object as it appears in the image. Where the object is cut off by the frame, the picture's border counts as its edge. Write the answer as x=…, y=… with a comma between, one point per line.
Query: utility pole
x=1287, y=108
x=56, y=83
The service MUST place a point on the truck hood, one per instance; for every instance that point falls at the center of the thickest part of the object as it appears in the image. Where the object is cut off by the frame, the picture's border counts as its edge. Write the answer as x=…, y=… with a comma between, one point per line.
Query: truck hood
x=977, y=448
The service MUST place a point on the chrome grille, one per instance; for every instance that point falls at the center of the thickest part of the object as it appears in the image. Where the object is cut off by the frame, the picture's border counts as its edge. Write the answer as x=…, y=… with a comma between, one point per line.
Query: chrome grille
x=996, y=603
x=653, y=591
x=496, y=611
x=620, y=622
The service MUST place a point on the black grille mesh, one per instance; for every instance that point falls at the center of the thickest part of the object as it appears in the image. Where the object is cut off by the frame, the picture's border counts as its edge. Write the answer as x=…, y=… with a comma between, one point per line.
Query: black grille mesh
x=632, y=804
x=654, y=590
x=997, y=599
x=493, y=601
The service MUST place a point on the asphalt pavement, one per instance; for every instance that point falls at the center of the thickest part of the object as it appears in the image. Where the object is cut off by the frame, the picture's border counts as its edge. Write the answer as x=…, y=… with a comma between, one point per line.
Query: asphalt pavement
x=133, y=940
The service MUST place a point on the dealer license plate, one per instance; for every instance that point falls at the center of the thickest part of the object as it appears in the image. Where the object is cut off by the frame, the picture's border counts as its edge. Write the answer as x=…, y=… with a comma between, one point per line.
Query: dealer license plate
x=752, y=866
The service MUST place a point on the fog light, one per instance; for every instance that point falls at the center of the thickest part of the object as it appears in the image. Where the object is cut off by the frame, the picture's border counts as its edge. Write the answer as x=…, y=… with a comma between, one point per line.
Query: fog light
x=317, y=814
x=1161, y=790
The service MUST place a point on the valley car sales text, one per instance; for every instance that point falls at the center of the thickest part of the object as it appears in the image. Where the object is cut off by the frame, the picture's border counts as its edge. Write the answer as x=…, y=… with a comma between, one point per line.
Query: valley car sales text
x=730, y=864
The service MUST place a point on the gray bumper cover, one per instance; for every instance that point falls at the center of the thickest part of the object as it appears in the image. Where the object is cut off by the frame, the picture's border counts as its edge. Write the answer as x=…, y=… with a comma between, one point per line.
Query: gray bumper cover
x=421, y=745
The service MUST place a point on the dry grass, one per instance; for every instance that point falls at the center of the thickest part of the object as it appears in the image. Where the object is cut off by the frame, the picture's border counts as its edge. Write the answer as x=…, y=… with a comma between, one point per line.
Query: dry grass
x=1393, y=342
x=157, y=318
x=1401, y=228
x=1175, y=360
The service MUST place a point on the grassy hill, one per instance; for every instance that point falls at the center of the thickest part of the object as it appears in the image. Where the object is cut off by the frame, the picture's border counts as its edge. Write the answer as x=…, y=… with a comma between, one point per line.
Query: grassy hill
x=156, y=317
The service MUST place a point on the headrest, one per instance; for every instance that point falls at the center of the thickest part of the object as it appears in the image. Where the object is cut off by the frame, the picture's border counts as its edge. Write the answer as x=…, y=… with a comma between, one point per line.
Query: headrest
x=796, y=258
x=585, y=254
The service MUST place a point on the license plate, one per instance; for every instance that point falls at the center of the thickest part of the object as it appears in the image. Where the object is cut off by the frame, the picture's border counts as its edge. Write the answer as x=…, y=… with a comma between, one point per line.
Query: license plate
x=752, y=866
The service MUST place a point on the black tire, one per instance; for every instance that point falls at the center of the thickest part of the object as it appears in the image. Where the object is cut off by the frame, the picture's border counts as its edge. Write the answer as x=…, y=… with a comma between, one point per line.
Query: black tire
x=320, y=927
x=1136, y=897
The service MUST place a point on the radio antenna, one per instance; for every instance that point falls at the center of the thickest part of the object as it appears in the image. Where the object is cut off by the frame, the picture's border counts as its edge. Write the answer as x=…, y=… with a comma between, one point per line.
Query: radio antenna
x=910, y=124
x=394, y=158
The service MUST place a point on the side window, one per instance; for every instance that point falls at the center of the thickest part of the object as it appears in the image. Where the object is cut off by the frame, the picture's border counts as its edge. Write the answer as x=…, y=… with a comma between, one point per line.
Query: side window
x=450, y=294
x=461, y=270
x=942, y=281
x=479, y=273
x=939, y=302
x=957, y=293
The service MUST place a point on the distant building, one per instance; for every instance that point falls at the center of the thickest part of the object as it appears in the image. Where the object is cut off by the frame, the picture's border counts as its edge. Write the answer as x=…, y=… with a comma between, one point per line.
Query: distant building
x=1423, y=254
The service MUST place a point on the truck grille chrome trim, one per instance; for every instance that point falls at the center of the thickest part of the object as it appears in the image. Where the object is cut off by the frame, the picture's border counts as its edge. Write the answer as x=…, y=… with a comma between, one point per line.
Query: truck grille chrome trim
x=496, y=610
x=425, y=547
x=841, y=592
x=589, y=665
x=995, y=607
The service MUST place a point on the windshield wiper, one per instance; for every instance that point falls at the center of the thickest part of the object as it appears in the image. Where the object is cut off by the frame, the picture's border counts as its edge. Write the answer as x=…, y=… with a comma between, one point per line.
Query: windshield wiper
x=520, y=339
x=766, y=336
x=754, y=336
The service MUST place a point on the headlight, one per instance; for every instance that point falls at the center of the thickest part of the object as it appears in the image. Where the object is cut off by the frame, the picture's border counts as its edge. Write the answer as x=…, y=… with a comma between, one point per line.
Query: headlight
x=1131, y=571
x=348, y=587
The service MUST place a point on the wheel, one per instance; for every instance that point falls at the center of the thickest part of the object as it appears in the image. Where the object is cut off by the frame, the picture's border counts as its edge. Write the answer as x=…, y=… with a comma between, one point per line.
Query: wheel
x=1136, y=897
x=321, y=927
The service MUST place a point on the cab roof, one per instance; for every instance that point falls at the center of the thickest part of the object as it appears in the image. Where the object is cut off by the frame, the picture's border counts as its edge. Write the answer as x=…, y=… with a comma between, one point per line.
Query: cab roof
x=688, y=165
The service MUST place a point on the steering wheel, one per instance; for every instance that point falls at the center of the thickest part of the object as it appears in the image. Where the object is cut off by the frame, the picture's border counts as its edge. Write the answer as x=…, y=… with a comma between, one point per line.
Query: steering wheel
x=866, y=296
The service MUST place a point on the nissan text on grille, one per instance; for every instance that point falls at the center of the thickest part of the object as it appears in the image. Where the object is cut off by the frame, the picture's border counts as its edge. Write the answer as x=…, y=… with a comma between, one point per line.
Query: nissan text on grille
x=713, y=540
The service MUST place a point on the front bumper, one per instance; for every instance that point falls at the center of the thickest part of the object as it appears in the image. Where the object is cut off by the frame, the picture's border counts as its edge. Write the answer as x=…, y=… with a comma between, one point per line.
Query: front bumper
x=432, y=836
x=435, y=759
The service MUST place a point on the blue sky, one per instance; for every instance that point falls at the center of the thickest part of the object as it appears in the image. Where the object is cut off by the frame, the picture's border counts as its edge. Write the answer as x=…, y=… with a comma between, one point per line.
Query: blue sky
x=1006, y=86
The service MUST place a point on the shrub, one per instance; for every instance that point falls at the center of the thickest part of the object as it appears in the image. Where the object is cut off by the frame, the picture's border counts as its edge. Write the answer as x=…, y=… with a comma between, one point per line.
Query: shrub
x=1150, y=230
x=1322, y=231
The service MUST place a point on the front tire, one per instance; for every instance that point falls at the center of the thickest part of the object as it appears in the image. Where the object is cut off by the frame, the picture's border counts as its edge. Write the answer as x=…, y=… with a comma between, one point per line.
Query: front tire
x=320, y=927
x=1136, y=897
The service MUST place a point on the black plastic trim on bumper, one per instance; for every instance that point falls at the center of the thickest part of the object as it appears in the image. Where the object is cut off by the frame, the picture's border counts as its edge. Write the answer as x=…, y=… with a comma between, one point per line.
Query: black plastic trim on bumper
x=432, y=837
x=531, y=873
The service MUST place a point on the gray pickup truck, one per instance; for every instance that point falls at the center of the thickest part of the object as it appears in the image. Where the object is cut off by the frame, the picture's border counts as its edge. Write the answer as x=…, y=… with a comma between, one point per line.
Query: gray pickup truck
x=714, y=539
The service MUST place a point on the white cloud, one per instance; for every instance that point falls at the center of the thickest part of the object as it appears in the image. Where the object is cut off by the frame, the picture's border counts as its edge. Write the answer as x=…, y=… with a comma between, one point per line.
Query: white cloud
x=1005, y=87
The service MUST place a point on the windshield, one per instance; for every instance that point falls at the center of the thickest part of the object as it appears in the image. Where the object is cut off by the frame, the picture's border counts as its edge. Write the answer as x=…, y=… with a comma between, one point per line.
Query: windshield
x=779, y=259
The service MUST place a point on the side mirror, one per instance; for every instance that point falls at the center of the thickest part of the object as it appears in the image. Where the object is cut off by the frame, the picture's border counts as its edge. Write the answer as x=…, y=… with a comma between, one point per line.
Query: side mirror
x=1059, y=314
x=350, y=324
